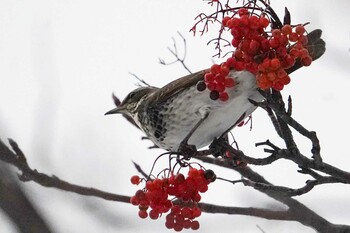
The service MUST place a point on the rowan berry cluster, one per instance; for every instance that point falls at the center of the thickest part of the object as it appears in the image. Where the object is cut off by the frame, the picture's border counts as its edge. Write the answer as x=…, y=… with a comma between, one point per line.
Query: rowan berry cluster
x=155, y=196
x=217, y=80
x=183, y=218
x=261, y=49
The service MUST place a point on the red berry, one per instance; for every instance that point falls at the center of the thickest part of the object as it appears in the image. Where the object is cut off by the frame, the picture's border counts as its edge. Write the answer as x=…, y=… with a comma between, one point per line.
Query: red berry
x=149, y=185
x=275, y=63
x=175, y=209
x=294, y=52
x=264, y=22
x=195, y=225
x=244, y=46
x=140, y=194
x=235, y=42
x=211, y=86
x=293, y=37
x=187, y=224
x=265, y=45
x=243, y=11
x=196, y=211
x=215, y=68
x=274, y=43
x=271, y=75
x=204, y=188
x=239, y=66
x=223, y=96
x=209, y=77
x=303, y=40
x=281, y=73
x=197, y=198
x=285, y=80
x=244, y=22
x=143, y=214
x=235, y=33
x=238, y=54
x=254, y=22
x=134, y=200
x=306, y=61
x=169, y=225
x=304, y=53
x=300, y=29
x=254, y=45
x=186, y=212
x=278, y=86
x=281, y=51
x=224, y=70
x=276, y=33
x=288, y=61
x=157, y=183
x=263, y=81
x=178, y=227
x=135, y=180
x=283, y=40
x=220, y=87
x=230, y=62
x=229, y=82
x=225, y=20
x=153, y=214
x=286, y=29
x=233, y=22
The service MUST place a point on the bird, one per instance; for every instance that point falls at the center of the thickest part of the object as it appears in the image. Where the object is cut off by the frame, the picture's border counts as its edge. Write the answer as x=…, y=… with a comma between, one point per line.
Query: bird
x=179, y=114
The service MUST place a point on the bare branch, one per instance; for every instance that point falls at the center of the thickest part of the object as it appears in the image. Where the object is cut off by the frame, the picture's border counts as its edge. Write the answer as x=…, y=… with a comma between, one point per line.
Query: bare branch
x=140, y=170
x=140, y=79
x=281, y=190
x=175, y=53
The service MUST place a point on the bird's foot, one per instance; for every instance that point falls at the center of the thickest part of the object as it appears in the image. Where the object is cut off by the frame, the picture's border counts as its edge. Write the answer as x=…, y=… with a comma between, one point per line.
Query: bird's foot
x=186, y=150
x=219, y=146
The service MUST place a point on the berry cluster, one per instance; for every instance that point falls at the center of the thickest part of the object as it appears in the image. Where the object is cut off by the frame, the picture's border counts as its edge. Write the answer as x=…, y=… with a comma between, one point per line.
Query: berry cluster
x=259, y=50
x=156, y=194
x=183, y=218
x=217, y=79
x=272, y=71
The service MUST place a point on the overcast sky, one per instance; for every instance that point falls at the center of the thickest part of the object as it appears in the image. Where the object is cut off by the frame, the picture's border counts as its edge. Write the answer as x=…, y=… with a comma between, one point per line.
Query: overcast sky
x=60, y=61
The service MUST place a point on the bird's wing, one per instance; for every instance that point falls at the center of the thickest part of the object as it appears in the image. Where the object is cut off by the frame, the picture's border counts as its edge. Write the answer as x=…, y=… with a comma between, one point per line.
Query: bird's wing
x=176, y=86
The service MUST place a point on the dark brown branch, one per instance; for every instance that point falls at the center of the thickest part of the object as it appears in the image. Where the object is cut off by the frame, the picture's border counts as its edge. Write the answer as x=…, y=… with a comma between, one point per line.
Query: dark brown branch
x=18, y=159
x=257, y=212
x=276, y=103
x=297, y=210
x=282, y=190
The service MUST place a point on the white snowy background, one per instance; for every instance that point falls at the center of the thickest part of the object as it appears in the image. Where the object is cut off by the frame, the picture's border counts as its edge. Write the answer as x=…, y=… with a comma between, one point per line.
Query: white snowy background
x=61, y=60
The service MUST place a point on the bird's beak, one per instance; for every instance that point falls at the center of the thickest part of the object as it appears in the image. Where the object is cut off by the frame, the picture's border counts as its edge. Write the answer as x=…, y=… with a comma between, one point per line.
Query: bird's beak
x=117, y=110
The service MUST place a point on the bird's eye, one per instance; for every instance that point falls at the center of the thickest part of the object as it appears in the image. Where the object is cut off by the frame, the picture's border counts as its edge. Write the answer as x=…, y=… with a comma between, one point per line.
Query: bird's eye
x=131, y=95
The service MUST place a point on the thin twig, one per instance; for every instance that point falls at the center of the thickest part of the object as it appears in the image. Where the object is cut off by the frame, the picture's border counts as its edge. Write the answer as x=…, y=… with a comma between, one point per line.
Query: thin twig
x=175, y=53
x=140, y=79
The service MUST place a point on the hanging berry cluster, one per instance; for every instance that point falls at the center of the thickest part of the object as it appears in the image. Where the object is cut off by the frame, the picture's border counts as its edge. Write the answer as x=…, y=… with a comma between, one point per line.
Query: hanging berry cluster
x=261, y=45
x=154, y=199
